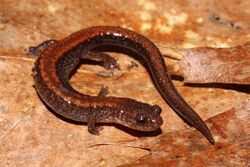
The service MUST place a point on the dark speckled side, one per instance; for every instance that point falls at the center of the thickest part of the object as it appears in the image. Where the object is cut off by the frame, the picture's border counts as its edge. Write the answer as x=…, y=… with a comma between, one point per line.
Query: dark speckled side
x=54, y=65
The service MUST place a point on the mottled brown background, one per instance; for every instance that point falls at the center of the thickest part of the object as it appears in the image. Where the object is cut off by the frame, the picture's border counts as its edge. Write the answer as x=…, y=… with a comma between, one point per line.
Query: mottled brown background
x=31, y=135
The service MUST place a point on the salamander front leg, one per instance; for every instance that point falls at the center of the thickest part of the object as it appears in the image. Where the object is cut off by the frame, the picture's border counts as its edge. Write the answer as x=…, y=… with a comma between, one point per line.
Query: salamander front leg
x=92, y=128
x=104, y=91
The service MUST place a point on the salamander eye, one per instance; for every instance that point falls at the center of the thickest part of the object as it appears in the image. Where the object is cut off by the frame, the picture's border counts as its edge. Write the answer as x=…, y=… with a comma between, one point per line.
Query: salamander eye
x=156, y=109
x=141, y=118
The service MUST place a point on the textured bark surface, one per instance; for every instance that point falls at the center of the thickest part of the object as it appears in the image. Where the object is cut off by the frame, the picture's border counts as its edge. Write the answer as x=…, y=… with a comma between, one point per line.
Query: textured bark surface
x=188, y=33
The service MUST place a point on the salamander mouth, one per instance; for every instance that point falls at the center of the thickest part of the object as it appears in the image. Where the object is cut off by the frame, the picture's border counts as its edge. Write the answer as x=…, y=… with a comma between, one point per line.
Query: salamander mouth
x=153, y=125
x=148, y=128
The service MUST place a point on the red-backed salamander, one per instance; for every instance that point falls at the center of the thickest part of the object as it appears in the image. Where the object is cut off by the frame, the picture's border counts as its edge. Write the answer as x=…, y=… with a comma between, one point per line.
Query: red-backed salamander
x=59, y=58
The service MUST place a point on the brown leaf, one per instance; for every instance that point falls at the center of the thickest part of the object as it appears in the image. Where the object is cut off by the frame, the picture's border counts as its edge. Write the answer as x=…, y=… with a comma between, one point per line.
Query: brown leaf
x=216, y=65
x=231, y=130
x=31, y=135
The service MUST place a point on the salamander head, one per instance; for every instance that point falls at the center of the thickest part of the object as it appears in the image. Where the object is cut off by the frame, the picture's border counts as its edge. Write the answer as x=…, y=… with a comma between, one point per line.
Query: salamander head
x=140, y=116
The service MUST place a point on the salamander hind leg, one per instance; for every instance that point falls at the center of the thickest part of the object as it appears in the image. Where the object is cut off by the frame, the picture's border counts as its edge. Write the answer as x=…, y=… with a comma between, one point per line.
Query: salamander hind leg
x=37, y=50
x=108, y=61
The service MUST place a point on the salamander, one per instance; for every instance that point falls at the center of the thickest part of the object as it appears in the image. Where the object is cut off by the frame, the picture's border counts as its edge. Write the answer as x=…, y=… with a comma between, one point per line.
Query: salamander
x=59, y=58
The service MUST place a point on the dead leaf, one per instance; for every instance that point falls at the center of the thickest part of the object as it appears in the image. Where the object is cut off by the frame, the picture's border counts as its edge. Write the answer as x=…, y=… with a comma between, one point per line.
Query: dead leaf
x=216, y=65
x=31, y=135
x=231, y=130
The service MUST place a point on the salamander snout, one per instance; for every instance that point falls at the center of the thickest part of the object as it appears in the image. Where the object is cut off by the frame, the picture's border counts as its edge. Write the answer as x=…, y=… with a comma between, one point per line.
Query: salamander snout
x=140, y=116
